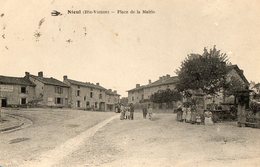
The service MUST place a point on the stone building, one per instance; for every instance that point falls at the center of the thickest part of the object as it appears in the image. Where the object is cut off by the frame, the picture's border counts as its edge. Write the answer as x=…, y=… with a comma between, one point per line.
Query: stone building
x=112, y=99
x=86, y=95
x=50, y=92
x=16, y=91
x=144, y=92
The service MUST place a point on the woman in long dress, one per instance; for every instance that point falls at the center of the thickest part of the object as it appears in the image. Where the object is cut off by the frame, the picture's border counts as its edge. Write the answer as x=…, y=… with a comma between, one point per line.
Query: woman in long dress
x=122, y=114
x=193, y=114
x=208, y=118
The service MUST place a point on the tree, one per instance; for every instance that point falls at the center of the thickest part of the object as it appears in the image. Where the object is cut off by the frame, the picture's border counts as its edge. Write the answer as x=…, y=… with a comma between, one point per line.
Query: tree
x=206, y=72
x=165, y=96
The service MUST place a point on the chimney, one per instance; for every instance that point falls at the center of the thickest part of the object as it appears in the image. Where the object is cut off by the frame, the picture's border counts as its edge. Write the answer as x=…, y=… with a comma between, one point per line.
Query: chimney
x=149, y=81
x=65, y=77
x=160, y=78
x=168, y=76
x=97, y=84
x=110, y=90
x=137, y=85
x=242, y=71
x=27, y=74
x=40, y=74
x=115, y=91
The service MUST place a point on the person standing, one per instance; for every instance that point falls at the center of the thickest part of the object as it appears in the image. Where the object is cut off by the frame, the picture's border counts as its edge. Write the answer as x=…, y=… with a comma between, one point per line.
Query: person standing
x=122, y=115
x=179, y=113
x=132, y=109
x=144, y=111
x=150, y=112
x=193, y=114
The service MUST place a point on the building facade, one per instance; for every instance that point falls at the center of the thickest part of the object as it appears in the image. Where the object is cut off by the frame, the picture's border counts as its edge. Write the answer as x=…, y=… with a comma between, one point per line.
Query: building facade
x=89, y=96
x=49, y=92
x=144, y=92
x=112, y=99
x=16, y=91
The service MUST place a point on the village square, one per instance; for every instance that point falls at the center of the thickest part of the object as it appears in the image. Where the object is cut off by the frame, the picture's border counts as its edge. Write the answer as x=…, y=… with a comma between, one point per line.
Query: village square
x=47, y=122
x=129, y=84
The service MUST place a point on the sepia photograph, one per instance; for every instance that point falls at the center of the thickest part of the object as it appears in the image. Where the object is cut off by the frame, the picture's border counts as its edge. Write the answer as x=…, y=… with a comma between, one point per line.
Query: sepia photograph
x=134, y=83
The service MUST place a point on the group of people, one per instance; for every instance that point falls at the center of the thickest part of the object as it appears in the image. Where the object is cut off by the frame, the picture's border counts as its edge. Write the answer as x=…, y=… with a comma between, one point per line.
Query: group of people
x=127, y=112
x=189, y=114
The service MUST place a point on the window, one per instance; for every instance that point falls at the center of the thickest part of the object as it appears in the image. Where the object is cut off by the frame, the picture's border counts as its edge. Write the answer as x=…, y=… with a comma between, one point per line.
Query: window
x=91, y=94
x=58, y=100
x=133, y=98
x=78, y=103
x=58, y=90
x=85, y=98
x=78, y=87
x=96, y=105
x=100, y=96
x=23, y=89
x=23, y=100
x=87, y=103
x=78, y=92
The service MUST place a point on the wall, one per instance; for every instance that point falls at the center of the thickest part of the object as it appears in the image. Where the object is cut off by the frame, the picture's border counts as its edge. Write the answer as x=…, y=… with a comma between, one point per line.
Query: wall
x=14, y=97
x=85, y=97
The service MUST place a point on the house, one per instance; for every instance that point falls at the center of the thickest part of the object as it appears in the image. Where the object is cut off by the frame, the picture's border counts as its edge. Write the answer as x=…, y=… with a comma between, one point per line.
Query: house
x=16, y=91
x=49, y=91
x=144, y=92
x=112, y=99
x=86, y=95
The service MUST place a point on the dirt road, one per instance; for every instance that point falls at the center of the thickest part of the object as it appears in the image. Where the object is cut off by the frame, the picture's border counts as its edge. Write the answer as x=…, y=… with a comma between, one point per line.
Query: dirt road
x=65, y=139
x=167, y=143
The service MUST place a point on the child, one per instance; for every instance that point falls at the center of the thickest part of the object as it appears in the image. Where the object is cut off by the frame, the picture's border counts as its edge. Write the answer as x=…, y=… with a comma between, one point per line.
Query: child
x=127, y=113
x=198, y=119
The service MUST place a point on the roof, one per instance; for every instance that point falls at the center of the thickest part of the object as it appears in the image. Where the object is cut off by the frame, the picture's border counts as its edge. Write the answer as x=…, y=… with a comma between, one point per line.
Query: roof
x=49, y=81
x=86, y=84
x=15, y=81
x=165, y=81
x=138, y=88
x=170, y=80
x=239, y=71
x=109, y=92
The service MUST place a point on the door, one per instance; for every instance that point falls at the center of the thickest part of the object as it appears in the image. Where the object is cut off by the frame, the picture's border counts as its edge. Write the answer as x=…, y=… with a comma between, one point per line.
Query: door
x=4, y=102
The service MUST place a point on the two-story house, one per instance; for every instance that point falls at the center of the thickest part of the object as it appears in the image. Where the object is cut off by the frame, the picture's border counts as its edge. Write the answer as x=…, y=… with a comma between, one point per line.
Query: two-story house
x=144, y=92
x=86, y=95
x=112, y=99
x=50, y=91
x=15, y=91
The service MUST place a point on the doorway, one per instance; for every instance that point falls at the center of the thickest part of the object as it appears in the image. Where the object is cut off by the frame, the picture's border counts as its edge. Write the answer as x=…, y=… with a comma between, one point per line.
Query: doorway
x=4, y=103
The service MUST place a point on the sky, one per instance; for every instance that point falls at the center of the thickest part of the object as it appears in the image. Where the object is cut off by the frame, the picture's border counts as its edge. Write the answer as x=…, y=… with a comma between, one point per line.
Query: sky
x=121, y=50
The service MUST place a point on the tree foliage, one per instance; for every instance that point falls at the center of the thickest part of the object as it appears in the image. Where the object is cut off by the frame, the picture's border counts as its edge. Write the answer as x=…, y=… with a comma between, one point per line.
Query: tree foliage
x=166, y=96
x=204, y=72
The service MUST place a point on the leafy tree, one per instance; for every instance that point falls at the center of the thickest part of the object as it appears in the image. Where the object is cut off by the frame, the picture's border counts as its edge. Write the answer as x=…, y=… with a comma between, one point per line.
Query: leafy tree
x=165, y=96
x=204, y=72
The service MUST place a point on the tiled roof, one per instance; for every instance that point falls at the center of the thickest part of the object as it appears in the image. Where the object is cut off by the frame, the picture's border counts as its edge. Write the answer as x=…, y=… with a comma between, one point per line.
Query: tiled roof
x=139, y=88
x=165, y=81
x=15, y=80
x=86, y=84
x=239, y=71
x=49, y=81
x=108, y=92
